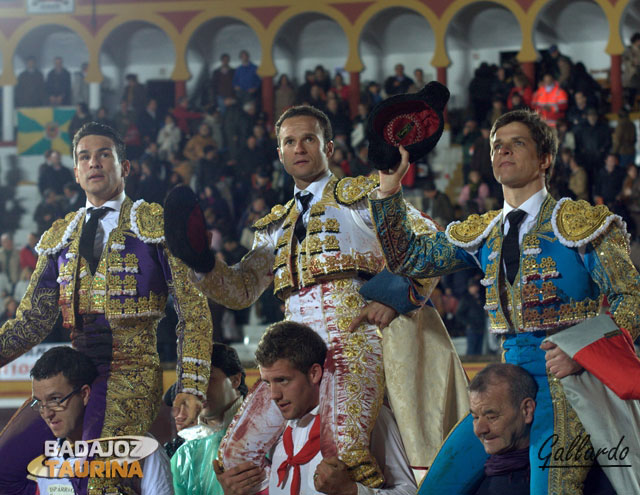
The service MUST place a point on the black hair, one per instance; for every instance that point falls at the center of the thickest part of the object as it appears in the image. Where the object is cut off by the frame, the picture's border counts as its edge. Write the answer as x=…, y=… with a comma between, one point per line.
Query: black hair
x=75, y=366
x=293, y=341
x=543, y=135
x=97, y=129
x=226, y=358
x=307, y=111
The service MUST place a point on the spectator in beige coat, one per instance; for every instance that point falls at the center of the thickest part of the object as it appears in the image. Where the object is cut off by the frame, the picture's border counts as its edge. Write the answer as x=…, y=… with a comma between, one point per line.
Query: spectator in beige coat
x=578, y=180
x=194, y=149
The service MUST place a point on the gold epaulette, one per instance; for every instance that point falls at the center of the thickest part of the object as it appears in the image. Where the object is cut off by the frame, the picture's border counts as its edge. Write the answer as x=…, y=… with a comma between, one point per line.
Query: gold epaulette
x=277, y=212
x=147, y=221
x=473, y=230
x=57, y=235
x=578, y=222
x=350, y=190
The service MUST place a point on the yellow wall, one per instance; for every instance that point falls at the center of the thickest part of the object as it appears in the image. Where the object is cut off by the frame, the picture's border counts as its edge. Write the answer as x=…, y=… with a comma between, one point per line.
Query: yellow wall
x=180, y=20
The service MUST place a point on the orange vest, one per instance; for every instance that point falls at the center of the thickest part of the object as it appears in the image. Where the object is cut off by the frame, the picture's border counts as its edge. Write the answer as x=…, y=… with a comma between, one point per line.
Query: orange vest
x=550, y=105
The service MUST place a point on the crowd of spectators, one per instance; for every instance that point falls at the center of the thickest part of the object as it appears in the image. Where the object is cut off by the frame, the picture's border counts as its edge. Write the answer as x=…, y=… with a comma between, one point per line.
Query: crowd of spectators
x=223, y=148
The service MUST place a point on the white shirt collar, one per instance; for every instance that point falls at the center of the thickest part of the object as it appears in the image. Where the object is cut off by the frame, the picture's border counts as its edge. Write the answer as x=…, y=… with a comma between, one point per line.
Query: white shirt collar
x=316, y=188
x=306, y=419
x=115, y=203
x=531, y=206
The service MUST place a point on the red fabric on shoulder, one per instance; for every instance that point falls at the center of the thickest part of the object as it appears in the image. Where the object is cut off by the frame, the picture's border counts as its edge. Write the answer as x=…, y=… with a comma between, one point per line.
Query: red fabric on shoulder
x=623, y=378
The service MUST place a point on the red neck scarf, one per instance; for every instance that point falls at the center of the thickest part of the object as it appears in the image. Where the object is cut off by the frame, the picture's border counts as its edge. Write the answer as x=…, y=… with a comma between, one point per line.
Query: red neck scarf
x=307, y=452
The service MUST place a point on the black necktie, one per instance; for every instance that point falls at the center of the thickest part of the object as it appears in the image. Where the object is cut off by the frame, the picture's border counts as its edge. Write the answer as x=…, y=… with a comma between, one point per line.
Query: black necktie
x=511, y=244
x=88, y=237
x=300, y=230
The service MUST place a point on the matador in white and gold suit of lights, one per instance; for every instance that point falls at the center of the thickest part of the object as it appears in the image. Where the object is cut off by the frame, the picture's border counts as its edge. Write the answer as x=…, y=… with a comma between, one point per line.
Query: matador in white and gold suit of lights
x=320, y=280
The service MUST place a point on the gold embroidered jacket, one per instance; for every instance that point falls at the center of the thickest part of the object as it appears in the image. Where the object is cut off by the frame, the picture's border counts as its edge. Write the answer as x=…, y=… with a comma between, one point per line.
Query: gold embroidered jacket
x=129, y=290
x=340, y=242
x=574, y=256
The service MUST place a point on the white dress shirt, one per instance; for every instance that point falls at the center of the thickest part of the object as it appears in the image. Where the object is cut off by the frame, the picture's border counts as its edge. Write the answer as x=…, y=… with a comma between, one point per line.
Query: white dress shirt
x=316, y=188
x=386, y=446
x=107, y=223
x=531, y=207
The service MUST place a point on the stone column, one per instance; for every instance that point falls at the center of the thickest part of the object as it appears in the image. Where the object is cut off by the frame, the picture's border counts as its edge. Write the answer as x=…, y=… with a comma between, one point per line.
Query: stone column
x=7, y=114
x=94, y=96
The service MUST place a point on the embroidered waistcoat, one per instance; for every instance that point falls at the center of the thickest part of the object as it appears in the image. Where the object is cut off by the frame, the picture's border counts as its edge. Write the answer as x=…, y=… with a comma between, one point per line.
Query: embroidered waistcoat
x=554, y=287
x=127, y=281
x=337, y=240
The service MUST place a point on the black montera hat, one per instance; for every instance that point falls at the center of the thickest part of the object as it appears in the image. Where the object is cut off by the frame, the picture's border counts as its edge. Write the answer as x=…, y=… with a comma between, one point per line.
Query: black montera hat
x=185, y=230
x=413, y=120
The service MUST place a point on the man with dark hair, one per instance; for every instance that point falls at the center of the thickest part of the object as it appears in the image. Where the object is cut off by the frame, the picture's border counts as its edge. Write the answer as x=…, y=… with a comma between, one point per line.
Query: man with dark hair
x=608, y=182
x=58, y=85
x=502, y=398
x=62, y=379
x=291, y=357
x=398, y=83
x=192, y=464
x=47, y=211
x=222, y=82
x=54, y=175
x=149, y=122
x=593, y=142
x=134, y=94
x=74, y=197
x=359, y=164
x=548, y=266
x=106, y=271
x=321, y=253
x=76, y=367
x=30, y=90
x=57, y=370
x=293, y=341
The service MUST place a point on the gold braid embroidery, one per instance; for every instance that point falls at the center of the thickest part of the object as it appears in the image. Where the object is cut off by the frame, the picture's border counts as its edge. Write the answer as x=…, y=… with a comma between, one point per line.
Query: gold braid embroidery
x=567, y=426
x=194, y=329
x=416, y=256
x=618, y=279
x=362, y=352
x=578, y=220
x=34, y=319
x=240, y=285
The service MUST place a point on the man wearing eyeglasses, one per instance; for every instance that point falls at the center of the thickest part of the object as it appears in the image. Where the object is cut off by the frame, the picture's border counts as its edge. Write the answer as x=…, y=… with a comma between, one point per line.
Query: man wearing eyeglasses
x=61, y=385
